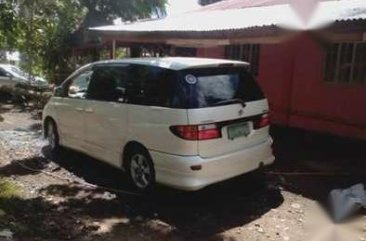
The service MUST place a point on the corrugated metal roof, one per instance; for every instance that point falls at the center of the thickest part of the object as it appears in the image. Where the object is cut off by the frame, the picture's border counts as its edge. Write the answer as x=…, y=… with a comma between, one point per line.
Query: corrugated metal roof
x=235, y=4
x=176, y=63
x=209, y=21
x=244, y=18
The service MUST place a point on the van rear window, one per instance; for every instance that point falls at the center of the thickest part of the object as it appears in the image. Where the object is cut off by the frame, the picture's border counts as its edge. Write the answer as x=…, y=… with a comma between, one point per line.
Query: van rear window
x=200, y=88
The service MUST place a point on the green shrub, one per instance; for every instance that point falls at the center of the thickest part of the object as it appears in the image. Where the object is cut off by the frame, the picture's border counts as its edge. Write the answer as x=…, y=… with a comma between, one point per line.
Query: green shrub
x=8, y=190
x=24, y=96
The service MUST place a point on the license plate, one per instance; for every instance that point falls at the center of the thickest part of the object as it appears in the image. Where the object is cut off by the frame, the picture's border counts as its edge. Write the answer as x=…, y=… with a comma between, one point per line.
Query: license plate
x=238, y=130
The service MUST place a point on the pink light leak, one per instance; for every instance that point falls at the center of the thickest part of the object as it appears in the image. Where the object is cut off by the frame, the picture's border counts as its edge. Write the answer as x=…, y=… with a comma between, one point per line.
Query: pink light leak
x=304, y=8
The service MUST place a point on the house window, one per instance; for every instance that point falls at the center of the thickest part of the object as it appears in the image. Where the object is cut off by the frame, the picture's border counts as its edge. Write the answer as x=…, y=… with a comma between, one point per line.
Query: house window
x=185, y=52
x=346, y=63
x=246, y=52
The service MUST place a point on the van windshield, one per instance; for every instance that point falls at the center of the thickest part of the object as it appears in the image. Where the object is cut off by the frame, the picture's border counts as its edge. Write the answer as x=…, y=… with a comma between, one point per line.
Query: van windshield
x=218, y=86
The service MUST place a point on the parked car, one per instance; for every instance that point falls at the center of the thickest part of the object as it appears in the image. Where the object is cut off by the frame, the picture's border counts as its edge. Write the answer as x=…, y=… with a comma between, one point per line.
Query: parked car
x=39, y=83
x=11, y=75
x=183, y=122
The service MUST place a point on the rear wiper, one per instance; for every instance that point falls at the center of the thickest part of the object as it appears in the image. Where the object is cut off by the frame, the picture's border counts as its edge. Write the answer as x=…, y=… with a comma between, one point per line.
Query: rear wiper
x=231, y=101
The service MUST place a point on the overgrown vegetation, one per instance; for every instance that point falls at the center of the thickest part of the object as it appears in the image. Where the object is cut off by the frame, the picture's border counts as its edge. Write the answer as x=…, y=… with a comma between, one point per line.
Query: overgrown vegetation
x=12, y=204
x=8, y=192
x=45, y=31
x=24, y=97
x=8, y=189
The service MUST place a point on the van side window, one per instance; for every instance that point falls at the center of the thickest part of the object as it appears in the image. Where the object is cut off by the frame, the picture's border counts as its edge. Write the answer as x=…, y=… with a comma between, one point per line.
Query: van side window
x=2, y=73
x=150, y=86
x=79, y=85
x=108, y=83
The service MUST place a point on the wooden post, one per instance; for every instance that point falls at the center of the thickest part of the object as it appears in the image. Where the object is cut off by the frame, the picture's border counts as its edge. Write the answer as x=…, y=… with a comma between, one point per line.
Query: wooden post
x=113, y=49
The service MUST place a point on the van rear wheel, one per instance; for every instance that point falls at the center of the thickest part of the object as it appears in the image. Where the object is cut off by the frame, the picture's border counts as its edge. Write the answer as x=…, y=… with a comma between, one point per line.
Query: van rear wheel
x=140, y=169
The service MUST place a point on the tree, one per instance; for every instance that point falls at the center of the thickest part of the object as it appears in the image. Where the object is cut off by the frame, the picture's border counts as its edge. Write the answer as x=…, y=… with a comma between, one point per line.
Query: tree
x=44, y=30
x=101, y=12
x=8, y=27
x=46, y=26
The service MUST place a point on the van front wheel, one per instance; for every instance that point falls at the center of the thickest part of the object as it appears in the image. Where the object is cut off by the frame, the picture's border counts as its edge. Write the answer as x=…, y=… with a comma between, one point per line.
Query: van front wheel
x=52, y=136
x=140, y=169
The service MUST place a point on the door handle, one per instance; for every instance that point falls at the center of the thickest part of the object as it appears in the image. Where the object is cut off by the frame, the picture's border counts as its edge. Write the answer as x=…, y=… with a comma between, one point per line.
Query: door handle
x=89, y=110
x=158, y=108
x=79, y=109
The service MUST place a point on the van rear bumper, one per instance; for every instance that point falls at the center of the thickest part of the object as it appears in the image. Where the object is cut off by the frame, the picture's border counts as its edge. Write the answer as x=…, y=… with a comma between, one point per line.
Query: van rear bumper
x=175, y=171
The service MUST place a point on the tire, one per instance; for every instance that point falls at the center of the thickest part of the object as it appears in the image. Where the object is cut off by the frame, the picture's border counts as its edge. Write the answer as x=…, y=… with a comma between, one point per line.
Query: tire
x=52, y=136
x=258, y=178
x=140, y=169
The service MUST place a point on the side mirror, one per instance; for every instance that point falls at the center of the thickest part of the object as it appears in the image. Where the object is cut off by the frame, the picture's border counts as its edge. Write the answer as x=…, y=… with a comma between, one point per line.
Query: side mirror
x=119, y=94
x=72, y=90
x=7, y=74
x=59, y=91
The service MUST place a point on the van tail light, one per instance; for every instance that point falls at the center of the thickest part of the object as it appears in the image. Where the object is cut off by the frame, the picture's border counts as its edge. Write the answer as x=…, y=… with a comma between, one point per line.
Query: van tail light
x=196, y=132
x=263, y=121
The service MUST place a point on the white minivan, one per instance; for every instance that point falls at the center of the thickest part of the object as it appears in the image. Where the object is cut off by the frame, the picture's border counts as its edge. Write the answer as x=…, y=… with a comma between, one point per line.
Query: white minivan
x=182, y=122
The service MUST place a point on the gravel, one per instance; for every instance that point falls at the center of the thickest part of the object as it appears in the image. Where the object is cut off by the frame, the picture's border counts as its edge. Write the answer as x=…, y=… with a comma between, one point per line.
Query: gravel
x=55, y=204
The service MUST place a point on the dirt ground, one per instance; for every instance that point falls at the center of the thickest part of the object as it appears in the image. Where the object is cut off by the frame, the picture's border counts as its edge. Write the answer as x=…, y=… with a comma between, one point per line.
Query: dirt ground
x=62, y=199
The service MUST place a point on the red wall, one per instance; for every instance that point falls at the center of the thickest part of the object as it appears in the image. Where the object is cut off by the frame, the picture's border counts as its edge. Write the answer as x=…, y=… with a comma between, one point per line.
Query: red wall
x=291, y=75
x=275, y=75
x=317, y=105
x=215, y=52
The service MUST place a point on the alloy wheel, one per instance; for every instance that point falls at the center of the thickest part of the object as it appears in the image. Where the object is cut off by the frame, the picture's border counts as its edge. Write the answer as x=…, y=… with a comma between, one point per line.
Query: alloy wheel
x=140, y=170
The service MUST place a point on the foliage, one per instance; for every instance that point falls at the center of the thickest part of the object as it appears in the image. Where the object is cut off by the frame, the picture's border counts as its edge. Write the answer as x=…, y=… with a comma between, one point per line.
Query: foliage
x=102, y=12
x=24, y=96
x=46, y=26
x=8, y=25
x=45, y=31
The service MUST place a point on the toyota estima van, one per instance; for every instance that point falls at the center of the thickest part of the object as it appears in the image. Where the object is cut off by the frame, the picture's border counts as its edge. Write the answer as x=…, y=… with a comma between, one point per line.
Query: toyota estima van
x=182, y=122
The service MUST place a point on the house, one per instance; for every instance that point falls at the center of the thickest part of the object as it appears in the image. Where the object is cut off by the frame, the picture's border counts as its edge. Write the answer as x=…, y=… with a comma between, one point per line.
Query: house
x=313, y=72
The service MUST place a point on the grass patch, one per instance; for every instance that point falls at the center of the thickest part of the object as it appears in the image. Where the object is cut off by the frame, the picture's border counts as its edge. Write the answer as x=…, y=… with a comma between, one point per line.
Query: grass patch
x=8, y=192
x=8, y=189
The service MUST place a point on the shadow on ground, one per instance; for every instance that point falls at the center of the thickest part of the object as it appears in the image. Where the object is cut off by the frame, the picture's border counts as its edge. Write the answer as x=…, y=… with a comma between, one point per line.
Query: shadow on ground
x=15, y=168
x=191, y=214
x=64, y=211
x=202, y=215
x=329, y=162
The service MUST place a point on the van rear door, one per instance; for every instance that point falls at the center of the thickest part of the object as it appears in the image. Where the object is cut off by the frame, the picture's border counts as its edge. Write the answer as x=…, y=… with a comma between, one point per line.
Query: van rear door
x=229, y=100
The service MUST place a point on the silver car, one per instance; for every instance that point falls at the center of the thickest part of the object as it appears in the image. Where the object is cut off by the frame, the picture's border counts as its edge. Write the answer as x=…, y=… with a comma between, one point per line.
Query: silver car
x=11, y=75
